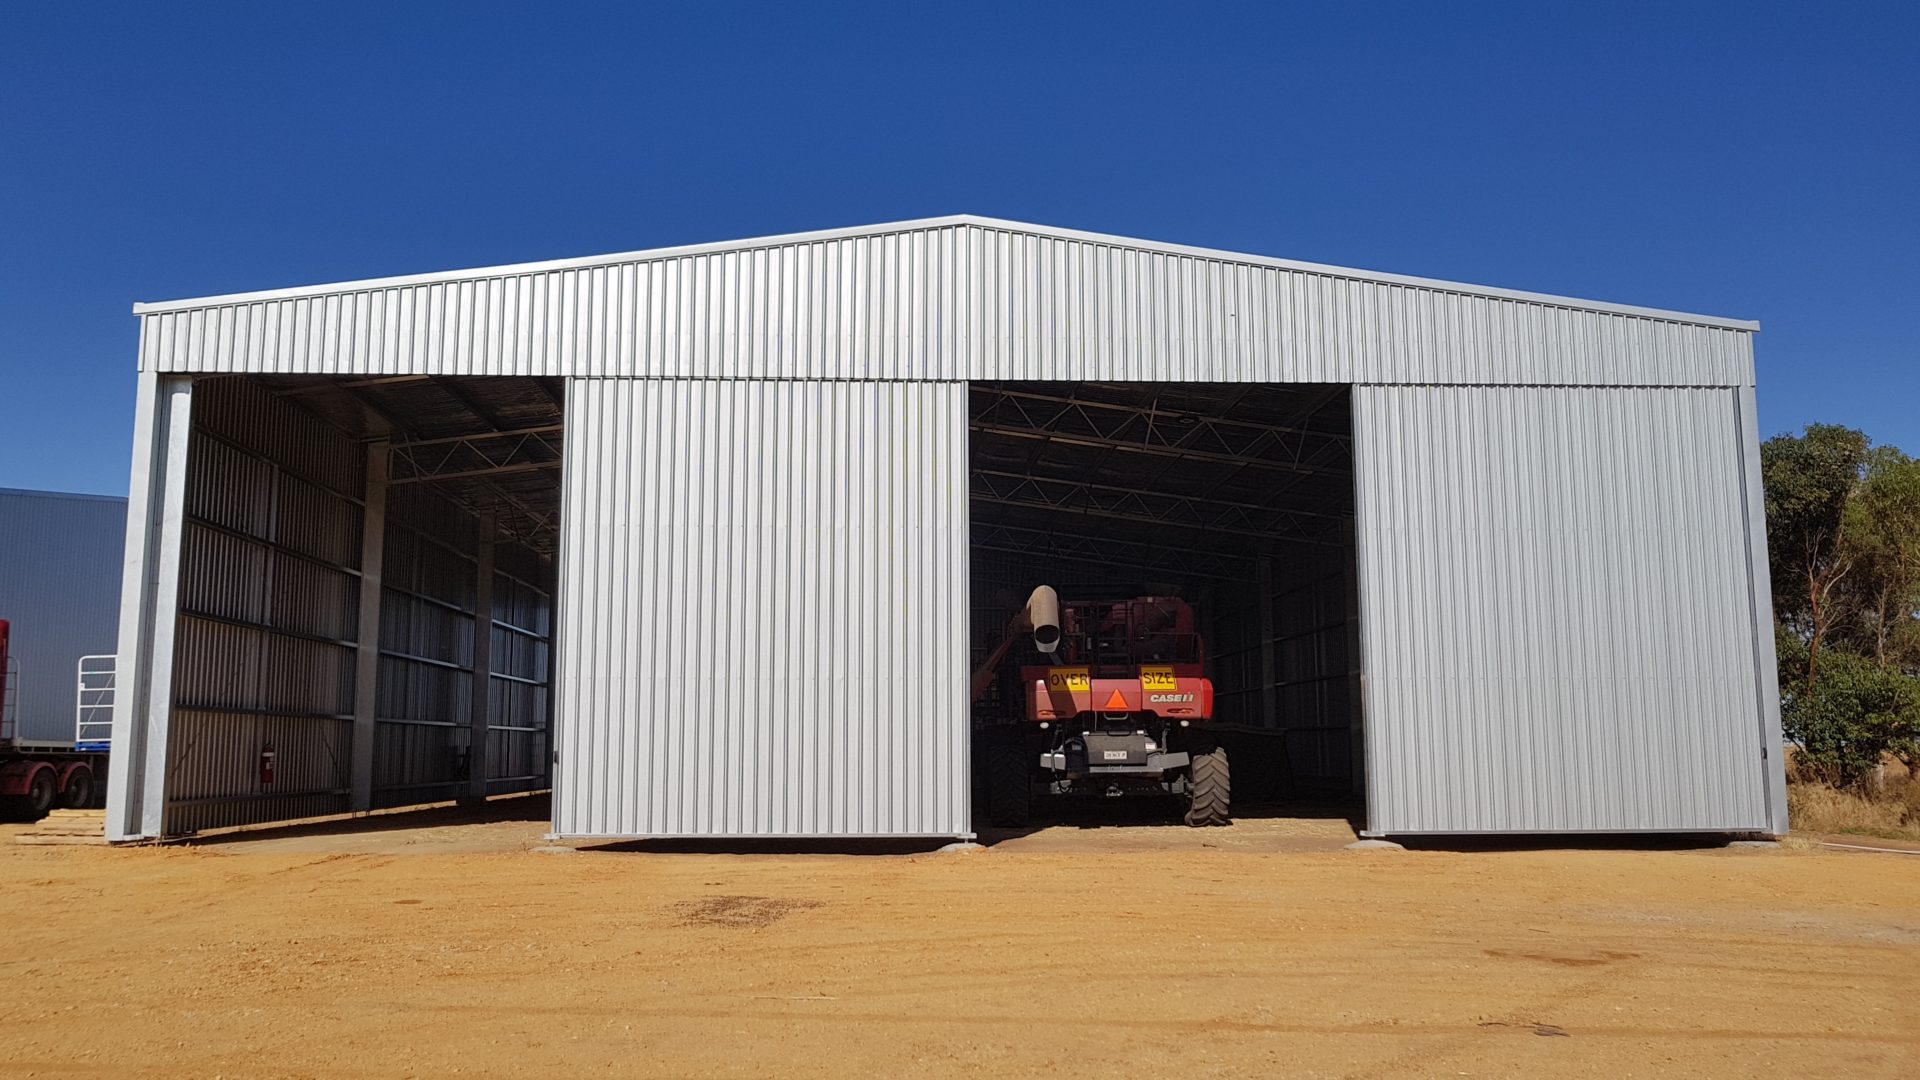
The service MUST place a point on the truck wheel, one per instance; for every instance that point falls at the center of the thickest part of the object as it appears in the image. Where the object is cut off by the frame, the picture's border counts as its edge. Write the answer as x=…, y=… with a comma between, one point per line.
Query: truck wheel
x=79, y=793
x=1009, y=786
x=1211, y=789
x=41, y=792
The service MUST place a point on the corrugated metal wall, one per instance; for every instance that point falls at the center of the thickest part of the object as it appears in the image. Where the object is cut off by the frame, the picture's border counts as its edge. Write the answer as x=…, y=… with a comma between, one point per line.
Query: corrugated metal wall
x=764, y=595
x=1300, y=625
x=423, y=748
x=1559, y=629
x=519, y=747
x=428, y=587
x=268, y=607
x=962, y=301
x=60, y=588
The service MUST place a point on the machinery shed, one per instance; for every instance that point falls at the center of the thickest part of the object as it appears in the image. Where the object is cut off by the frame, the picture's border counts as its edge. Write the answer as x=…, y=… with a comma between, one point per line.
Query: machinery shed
x=708, y=539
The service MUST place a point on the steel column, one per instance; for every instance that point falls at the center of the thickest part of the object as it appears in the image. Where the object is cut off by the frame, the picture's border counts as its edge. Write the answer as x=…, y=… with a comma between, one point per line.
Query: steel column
x=366, y=672
x=1269, y=706
x=480, y=704
x=149, y=601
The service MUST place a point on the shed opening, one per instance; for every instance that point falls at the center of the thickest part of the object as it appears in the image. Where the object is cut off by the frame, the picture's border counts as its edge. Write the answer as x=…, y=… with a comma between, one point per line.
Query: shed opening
x=1234, y=501
x=365, y=604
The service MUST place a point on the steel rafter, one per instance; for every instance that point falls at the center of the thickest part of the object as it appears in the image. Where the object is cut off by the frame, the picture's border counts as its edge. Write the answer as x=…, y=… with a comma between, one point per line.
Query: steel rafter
x=1149, y=430
x=1320, y=401
x=1129, y=446
x=513, y=519
x=1154, y=409
x=466, y=465
x=1239, y=394
x=463, y=456
x=535, y=532
x=329, y=385
x=1155, y=508
x=544, y=429
x=1111, y=551
x=462, y=460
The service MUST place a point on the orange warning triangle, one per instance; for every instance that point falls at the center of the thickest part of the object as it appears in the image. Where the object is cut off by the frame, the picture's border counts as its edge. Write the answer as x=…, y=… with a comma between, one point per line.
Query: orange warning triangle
x=1115, y=701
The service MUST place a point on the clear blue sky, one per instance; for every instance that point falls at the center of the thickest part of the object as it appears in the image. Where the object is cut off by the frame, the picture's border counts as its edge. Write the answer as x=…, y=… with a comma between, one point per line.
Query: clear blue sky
x=1754, y=161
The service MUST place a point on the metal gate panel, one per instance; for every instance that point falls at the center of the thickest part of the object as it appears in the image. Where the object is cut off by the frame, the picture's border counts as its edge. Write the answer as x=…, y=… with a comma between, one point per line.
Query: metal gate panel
x=1560, y=614
x=763, y=610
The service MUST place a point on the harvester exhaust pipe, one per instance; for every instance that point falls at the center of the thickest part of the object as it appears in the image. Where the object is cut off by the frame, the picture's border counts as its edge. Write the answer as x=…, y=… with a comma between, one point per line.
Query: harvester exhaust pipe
x=1042, y=614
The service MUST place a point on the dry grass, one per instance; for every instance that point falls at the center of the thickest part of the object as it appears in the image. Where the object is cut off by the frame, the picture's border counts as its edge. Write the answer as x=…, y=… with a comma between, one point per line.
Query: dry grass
x=1892, y=810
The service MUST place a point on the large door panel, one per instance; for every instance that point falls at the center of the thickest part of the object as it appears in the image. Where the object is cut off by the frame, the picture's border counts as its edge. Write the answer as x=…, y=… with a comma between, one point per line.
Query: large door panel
x=1558, y=611
x=763, y=609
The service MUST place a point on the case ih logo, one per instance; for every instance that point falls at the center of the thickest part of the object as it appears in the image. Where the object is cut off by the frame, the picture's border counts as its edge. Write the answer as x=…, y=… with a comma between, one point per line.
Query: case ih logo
x=1169, y=699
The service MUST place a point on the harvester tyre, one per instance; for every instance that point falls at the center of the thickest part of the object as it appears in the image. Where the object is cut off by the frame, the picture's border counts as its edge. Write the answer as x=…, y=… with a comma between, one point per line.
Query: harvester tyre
x=1211, y=789
x=1009, y=786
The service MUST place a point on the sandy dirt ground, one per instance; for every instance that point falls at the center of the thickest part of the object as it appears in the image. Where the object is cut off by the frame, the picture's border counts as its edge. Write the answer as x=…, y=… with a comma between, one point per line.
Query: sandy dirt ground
x=415, y=946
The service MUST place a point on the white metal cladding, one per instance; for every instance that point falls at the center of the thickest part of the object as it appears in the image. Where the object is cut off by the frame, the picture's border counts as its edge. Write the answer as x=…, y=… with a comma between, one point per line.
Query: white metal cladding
x=1559, y=624
x=763, y=609
x=944, y=299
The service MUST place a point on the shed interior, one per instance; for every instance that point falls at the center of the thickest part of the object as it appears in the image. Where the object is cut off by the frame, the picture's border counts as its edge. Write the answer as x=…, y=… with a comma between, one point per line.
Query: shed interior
x=1237, y=497
x=287, y=520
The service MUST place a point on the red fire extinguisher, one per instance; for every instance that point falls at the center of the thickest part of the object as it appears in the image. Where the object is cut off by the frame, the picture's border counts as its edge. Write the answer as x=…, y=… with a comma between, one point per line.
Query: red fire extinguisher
x=266, y=765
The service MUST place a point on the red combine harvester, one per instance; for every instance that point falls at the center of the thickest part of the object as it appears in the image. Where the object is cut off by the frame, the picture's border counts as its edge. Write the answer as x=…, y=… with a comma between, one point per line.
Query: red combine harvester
x=1112, y=702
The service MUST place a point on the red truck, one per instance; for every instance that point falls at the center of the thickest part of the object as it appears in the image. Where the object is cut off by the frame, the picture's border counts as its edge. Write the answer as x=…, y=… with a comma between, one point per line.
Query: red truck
x=39, y=773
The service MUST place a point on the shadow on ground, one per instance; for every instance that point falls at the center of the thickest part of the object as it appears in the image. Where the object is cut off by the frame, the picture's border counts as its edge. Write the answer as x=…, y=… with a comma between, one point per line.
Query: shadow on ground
x=833, y=845
x=1054, y=814
x=525, y=809
x=1062, y=826
x=1571, y=842
x=520, y=823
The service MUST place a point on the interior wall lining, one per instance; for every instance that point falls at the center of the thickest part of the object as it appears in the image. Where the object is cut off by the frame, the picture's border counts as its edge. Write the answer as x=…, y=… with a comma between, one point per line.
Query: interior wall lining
x=268, y=595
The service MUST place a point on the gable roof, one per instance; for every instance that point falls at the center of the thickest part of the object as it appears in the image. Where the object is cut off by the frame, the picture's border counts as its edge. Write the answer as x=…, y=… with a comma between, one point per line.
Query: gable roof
x=959, y=298
x=922, y=224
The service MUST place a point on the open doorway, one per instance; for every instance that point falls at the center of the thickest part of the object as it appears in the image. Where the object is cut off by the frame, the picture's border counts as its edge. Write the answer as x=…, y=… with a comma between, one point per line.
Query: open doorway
x=365, y=606
x=1233, y=501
